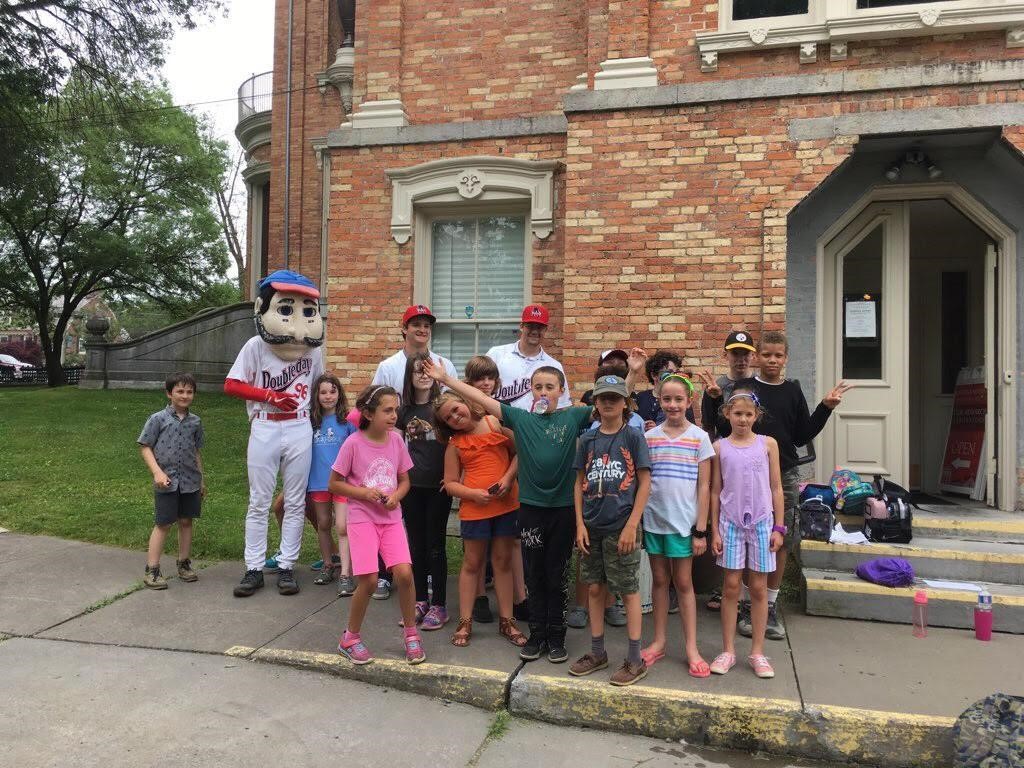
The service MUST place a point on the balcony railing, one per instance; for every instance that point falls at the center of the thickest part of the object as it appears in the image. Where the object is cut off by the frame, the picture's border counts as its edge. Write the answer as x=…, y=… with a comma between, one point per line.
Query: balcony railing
x=255, y=95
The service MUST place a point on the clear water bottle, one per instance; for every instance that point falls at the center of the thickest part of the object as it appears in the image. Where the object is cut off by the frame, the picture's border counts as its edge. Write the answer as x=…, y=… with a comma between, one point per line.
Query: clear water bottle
x=920, y=619
x=983, y=616
x=541, y=405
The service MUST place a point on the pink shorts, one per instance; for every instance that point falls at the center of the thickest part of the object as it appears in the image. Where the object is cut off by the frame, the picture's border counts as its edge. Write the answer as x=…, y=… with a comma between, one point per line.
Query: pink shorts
x=322, y=497
x=366, y=540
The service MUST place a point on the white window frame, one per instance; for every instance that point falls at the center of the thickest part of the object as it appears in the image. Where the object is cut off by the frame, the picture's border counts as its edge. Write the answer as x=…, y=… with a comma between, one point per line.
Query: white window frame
x=836, y=22
x=427, y=214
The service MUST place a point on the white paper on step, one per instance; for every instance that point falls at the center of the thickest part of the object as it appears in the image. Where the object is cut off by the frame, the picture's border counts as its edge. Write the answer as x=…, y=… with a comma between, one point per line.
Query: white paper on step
x=842, y=536
x=966, y=586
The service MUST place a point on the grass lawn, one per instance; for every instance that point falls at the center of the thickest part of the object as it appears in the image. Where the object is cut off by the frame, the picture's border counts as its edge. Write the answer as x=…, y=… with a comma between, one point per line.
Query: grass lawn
x=70, y=467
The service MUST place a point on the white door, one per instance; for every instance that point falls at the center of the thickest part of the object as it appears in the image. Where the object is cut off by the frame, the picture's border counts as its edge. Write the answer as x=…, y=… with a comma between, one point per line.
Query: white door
x=991, y=365
x=865, y=335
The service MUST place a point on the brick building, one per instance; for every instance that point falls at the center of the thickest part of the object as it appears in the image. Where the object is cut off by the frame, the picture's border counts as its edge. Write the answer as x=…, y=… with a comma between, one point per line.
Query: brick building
x=658, y=172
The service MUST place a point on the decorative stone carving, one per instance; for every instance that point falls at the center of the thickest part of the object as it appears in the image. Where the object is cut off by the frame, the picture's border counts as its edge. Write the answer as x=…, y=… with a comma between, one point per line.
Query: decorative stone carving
x=1015, y=37
x=808, y=53
x=929, y=16
x=339, y=74
x=758, y=36
x=471, y=183
x=709, y=61
x=838, y=51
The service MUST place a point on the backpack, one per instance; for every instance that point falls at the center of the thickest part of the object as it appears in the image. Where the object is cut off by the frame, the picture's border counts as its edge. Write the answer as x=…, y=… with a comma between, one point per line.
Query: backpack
x=816, y=519
x=897, y=526
x=850, y=491
x=990, y=733
x=818, y=491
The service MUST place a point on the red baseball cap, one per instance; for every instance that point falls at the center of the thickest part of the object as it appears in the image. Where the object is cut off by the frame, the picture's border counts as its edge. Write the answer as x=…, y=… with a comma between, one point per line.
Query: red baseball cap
x=535, y=313
x=417, y=310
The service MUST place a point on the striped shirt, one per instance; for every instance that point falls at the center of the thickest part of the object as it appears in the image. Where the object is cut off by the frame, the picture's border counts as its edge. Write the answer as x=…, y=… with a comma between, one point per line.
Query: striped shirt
x=672, y=506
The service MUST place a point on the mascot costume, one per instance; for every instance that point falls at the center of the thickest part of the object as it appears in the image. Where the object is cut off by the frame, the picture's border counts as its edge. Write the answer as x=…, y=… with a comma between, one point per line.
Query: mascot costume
x=274, y=374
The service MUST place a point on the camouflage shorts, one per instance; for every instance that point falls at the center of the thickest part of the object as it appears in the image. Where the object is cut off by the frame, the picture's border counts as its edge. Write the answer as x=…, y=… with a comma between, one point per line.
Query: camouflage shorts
x=604, y=564
x=791, y=500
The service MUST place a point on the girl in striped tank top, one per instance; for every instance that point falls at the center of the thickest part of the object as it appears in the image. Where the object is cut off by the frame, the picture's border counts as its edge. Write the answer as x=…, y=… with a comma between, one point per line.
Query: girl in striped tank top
x=746, y=524
x=676, y=515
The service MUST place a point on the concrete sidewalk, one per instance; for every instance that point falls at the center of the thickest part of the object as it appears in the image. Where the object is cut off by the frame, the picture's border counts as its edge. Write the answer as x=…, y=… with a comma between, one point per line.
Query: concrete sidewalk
x=844, y=690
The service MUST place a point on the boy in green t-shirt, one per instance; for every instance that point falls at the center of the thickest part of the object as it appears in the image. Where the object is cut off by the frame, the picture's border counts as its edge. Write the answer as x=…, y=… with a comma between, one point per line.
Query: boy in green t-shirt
x=546, y=446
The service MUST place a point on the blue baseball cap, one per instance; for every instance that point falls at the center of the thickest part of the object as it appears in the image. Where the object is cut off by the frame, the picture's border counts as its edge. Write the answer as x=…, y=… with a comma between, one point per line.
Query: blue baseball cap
x=293, y=282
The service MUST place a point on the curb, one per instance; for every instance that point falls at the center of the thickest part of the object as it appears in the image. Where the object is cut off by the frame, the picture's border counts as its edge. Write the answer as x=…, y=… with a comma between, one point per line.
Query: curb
x=777, y=726
x=483, y=688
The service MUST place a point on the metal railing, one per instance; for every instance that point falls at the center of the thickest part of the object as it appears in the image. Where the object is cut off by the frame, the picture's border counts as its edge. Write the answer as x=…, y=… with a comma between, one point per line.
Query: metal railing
x=9, y=377
x=255, y=95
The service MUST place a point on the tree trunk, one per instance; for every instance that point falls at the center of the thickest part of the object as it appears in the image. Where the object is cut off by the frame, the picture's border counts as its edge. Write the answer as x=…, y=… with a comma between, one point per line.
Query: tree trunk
x=51, y=351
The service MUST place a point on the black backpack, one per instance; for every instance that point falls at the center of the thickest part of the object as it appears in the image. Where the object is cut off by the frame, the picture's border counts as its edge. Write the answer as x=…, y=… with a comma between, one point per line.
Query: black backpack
x=816, y=519
x=897, y=528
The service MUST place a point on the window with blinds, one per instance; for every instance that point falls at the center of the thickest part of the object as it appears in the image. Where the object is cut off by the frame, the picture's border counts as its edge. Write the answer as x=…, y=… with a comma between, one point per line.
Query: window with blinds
x=477, y=283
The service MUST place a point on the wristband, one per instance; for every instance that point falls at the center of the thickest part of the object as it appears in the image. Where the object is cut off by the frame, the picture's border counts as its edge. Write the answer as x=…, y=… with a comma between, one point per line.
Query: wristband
x=780, y=529
x=697, y=534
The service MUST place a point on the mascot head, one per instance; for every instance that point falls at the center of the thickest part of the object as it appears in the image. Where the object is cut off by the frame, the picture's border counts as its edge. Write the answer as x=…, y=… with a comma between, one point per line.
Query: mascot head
x=288, y=314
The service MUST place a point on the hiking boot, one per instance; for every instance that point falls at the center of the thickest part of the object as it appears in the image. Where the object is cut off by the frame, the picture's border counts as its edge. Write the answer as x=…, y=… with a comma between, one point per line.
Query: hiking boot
x=535, y=646
x=153, y=579
x=482, y=613
x=185, y=572
x=286, y=584
x=588, y=663
x=383, y=590
x=743, y=624
x=775, y=629
x=252, y=581
x=576, y=617
x=629, y=673
x=615, y=615
x=270, y=565
x=346, y=586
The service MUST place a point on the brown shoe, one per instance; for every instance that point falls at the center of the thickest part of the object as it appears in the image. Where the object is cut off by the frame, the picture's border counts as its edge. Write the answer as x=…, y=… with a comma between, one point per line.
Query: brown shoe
x=629, y=673
x=588, y=663
x=153, y=579
x=185, y=572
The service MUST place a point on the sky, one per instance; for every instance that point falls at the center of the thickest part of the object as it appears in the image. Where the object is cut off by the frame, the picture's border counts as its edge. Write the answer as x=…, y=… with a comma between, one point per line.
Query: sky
x=208, y=64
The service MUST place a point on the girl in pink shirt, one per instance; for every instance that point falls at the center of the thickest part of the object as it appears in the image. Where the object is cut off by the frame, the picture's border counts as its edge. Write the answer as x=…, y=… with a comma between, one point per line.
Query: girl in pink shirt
x=372, y=470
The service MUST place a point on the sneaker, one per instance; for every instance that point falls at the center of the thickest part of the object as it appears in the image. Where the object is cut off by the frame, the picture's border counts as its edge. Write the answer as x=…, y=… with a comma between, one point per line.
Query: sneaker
x=775, y=629
x=346, y=586
x=482, y=613
x=420, y=610
x=436, y=617
x=185, y=572
x=317, y=566
x=270, y=566
x=629, y=673
x=383, y=591
x=251, y=581
x=673, y=601
x=353, y=649
x=153, y=579
x=577, y=617
x=743, y=625
x=535, y=646
x=286, y=584
x=521, y=611
x=588, y=663
x=557, y=653
x=615, y=615
x=761, y=666
x=414, y=652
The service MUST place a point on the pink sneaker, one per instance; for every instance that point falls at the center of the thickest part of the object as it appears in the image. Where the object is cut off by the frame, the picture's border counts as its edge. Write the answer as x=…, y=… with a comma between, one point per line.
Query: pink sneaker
x=723, y=663
x=435, y=618
x=352, y=648
x=414, y=652
x=761, y=666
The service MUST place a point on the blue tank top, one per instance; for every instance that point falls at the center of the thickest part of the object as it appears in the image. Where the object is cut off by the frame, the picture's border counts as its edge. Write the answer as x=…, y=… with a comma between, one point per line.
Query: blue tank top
x=326, y=443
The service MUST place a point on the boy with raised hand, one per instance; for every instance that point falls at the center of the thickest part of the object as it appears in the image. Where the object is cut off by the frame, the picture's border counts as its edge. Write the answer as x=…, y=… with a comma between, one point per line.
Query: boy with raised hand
x=739, y=354
x=170, y=443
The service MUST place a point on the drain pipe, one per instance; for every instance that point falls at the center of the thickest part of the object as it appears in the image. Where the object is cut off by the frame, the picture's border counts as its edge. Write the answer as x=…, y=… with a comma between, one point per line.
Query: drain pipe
x=288, y=137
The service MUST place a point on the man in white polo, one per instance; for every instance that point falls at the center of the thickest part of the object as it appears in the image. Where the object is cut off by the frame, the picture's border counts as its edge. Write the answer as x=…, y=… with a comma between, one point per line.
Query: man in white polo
x=417, y=324
x=517, y=361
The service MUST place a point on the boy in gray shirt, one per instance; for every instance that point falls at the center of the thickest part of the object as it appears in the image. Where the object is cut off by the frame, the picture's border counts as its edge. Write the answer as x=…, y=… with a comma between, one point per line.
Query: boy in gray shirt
x=170, y=444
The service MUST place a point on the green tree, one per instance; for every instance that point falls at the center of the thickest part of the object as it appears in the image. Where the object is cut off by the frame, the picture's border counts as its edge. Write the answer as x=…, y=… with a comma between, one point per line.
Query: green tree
x=121, y=205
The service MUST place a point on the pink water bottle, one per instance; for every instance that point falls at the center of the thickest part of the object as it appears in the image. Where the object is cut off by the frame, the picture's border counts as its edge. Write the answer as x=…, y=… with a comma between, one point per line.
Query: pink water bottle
x=983, y=616
x=920, y=619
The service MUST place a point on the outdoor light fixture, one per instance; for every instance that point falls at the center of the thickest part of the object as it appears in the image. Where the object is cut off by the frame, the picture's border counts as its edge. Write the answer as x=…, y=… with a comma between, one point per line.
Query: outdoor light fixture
x=913, y=156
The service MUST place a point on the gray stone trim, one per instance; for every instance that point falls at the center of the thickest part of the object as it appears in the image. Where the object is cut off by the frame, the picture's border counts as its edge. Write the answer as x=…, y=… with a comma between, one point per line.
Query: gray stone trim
x=852, y=81
x=907, y=120
x=442, y=132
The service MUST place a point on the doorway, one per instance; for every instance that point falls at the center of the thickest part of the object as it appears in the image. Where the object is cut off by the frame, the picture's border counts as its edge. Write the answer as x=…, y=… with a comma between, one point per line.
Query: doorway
x=908, y=298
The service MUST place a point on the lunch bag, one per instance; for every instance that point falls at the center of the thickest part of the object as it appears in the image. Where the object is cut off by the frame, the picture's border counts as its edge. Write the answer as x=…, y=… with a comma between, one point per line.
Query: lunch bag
x=816, y=519
x=850, y=491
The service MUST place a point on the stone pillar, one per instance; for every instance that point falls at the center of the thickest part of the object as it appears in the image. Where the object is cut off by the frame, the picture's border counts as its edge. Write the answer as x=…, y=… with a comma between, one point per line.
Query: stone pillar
x=95, y=374
x=379, y=56
x=628, y=63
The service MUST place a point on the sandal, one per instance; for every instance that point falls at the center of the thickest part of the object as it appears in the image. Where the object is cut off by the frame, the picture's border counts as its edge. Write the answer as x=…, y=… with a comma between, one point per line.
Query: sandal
x=507, y=628
x=723, y=663
x=714, y=602
x=699, y=669
x=463, y=631
x=651, y=657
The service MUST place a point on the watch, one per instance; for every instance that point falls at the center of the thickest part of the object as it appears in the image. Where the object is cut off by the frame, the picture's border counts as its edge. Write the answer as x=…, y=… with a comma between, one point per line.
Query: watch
x=697, y=534
x=780, y=529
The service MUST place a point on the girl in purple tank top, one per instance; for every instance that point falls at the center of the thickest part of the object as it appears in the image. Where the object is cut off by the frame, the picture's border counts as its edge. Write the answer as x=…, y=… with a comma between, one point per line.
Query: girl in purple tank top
x=746, y=524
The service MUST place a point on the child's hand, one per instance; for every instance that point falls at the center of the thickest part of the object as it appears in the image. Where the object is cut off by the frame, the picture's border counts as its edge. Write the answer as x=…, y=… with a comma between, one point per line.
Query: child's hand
x=436, y=372
x=389, y=502
x=776, y=542
x=627, y=540
x=716, y=544
x=161, y=479
x=835, y=397
x=583, y=540
x=649, y=425
x=480, y=496
x=699, y=546
x=637, y=359
x=504, y=486
x=371, y=494
x=710, y=384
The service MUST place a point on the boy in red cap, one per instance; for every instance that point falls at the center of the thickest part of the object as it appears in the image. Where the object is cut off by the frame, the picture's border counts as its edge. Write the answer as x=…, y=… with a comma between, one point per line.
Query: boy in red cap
x=517, y=361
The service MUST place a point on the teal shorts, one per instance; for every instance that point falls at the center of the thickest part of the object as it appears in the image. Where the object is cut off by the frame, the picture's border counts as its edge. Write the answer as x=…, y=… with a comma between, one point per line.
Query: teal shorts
x=668, y=544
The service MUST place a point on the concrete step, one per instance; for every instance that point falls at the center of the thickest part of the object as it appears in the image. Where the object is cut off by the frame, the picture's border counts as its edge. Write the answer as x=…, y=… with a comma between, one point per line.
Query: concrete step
x=936, y=558
x=959, y=522
x=842, y=594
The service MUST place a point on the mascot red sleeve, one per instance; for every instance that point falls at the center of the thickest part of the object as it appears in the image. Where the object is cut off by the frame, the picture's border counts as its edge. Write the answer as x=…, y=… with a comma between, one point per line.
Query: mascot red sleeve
x=274, y=374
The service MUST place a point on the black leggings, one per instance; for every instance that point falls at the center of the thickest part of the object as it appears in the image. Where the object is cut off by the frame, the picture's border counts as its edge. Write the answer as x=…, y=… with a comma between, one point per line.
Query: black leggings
x=425, y=511
x=548, y=534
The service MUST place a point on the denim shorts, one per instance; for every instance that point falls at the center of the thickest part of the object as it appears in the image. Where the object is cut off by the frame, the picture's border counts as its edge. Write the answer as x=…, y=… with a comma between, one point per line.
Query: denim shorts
x=174, y=505
x=491, y=527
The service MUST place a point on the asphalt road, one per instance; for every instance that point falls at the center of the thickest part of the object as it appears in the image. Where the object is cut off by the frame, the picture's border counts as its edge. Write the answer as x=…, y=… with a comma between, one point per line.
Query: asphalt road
x=81, y=704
